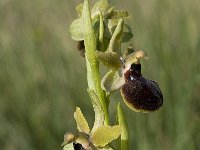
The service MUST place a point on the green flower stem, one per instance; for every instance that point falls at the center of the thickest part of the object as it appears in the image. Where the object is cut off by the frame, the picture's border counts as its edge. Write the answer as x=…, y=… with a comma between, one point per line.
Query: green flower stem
x=124, y=134
x=94, y=80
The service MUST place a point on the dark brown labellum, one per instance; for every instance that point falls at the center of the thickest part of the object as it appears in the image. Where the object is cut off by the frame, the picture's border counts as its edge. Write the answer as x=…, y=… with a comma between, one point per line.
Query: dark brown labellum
x=81, y=47
x=139, y=93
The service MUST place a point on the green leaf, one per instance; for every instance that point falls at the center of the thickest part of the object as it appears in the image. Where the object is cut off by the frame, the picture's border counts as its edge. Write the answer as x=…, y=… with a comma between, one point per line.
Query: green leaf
x=82, y=124
x=116, y=39
x=124, y=134
x=109, y=59
x=112, y=81
x=99, y=115
x=105, y=134
x=76, y=29
x=69, y=147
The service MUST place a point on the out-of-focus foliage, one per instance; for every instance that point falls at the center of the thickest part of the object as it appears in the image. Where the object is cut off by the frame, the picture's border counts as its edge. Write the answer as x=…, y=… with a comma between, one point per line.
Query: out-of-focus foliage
x=43, y=78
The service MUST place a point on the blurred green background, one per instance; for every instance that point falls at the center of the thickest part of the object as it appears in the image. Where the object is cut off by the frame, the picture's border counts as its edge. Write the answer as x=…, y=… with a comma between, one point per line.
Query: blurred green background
x=43, y=77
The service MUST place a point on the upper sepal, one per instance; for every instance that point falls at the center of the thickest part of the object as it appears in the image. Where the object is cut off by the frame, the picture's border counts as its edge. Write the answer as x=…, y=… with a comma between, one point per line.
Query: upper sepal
x=109, y=59
x=76, y=29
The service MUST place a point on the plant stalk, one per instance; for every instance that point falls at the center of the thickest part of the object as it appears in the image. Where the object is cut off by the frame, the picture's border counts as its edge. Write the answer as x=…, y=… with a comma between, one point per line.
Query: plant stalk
x=93, y=74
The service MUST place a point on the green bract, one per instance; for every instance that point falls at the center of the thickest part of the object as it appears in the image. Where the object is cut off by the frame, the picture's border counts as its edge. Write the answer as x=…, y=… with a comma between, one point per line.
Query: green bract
x=99, y=116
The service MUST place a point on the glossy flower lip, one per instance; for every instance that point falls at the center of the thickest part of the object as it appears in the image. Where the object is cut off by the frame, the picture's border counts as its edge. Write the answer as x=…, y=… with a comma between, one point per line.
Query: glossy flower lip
x=140, y=94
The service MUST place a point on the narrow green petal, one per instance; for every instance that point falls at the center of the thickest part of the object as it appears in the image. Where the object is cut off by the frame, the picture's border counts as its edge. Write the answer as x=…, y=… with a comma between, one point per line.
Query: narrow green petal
x=82, y=124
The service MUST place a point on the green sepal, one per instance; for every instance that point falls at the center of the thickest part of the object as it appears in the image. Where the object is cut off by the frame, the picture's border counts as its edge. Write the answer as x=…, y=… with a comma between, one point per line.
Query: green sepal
x=109, y=59
x=76, y=29
x=124, y=143
x=104, y=135
x=99, y=115
x=112, y=81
